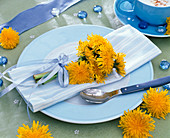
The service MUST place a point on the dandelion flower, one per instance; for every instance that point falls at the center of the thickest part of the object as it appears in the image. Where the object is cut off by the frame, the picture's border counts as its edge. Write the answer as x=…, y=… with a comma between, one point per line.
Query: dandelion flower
x=136, y=124
x=36, y=131
x=83, y=49
x=97, y=75
x=99, y=54
x=157, y=103
x=95, y=41
x=106, y=59
x=120, y=64
x=168, y=20
x=99, y=57
x=168, y=26
x=9, y=38
x=79, y=72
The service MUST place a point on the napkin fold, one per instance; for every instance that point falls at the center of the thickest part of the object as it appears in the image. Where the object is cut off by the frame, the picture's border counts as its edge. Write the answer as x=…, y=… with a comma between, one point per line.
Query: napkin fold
x=138, y=49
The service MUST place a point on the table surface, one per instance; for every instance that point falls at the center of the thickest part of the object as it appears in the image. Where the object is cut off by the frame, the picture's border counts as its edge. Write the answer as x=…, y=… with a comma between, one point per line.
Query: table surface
x=13, y=115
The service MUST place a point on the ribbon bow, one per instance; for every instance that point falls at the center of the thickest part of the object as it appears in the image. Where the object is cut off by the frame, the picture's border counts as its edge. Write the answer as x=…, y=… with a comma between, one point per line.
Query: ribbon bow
x=53, y=66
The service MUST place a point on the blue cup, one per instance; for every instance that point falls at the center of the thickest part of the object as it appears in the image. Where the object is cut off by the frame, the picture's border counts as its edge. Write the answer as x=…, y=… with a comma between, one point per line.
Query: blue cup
x=151, y=14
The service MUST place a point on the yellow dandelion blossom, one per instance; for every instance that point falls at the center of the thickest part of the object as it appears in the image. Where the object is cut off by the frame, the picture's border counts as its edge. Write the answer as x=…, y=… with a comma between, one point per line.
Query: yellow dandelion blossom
x=36, y=131
x=167, y=30
x=89, y=54
x=106, y=59
x=168, y=26
x=136, y=124
x=95, y=41
x=98, y=75
x=98, y=52
x=168, y=20
x=9, y=38
x=79, y=72
x=82, y=47
x=157, y=103
x=120, y=64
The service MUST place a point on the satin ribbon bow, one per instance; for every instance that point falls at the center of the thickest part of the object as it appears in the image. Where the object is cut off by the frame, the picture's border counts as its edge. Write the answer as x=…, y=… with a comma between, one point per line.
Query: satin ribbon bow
x=56, y=66
x=53, y=66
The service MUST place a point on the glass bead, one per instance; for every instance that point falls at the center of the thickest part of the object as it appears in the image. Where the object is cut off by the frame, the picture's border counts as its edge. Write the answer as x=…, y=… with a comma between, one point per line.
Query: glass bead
x=97, y=8
x=164, y=65
x=3, y=60
x=1, y=82
x=143, y=25
x=161, y=29
x=82, y=14
x=126, y=6
x=167, y=86
x=55, y=12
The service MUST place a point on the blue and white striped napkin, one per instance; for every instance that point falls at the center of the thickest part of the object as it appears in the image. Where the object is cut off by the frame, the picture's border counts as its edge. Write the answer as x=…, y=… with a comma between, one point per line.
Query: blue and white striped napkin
x=138, y=49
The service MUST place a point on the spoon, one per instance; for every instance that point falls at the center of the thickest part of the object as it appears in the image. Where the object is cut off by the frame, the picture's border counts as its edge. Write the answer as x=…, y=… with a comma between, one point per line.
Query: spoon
x=98, y=96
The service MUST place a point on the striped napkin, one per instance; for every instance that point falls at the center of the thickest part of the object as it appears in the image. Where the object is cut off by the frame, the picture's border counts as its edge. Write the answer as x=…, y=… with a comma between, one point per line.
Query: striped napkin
x=138, y=49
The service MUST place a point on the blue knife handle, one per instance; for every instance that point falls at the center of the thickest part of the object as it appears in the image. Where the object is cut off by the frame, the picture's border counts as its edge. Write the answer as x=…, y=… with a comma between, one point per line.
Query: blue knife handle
x=146, y=85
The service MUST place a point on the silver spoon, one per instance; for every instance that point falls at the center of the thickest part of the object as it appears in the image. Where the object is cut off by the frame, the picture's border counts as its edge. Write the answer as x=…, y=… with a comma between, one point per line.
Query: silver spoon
x=98, y=96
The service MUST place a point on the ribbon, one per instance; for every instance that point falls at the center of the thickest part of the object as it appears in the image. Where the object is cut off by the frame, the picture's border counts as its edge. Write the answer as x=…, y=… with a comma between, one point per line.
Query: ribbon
x=56, y=66
x=53, y=66
x=37, y=15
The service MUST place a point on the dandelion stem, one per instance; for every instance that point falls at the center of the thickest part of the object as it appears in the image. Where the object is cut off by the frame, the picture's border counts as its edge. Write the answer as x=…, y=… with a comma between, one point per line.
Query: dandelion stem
x=37, y=77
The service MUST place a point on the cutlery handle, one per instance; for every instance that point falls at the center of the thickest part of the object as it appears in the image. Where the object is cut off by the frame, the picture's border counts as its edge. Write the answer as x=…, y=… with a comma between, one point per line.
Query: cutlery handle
x=146, y=85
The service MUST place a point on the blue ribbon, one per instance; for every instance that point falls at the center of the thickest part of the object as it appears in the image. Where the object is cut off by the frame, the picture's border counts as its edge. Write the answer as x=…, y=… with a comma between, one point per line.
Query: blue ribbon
x=37, y=15
x=57, y=66
x=27, y=20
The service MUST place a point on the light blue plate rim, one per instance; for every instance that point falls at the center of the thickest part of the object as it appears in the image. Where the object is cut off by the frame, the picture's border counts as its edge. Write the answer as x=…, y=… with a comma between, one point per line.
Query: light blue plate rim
x=150, y=31
x=84, y=114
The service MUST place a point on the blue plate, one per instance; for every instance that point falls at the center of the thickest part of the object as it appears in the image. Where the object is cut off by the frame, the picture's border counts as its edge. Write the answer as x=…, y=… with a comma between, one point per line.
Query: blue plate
x=133, y=20
x=75, y=110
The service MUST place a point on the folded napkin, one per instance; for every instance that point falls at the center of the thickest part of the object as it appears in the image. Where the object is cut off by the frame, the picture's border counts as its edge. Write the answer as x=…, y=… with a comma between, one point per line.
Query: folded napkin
x=138, y=49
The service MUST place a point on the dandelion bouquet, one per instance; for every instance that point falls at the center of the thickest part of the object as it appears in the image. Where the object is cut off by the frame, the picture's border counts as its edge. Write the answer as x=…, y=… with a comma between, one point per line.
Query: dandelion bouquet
x=91, y=60
x=96, y=61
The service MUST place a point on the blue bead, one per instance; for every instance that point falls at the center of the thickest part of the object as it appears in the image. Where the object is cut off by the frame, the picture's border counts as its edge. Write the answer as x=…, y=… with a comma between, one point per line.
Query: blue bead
x=3, y=60
x=97, y=8
x=82, y=14
x=143, y=25
x=126, y=6
x=55, y=12
x=164, y=65
x=161, y=29
x=167, y=86
x=1, y=82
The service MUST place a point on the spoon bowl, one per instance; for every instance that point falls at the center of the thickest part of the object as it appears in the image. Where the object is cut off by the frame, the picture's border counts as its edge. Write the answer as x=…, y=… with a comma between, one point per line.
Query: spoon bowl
x=97, y=95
